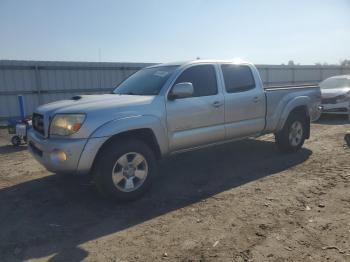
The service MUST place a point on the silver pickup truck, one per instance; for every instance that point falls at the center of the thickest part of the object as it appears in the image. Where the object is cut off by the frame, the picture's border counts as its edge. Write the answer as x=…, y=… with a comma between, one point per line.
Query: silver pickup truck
x=163, y=110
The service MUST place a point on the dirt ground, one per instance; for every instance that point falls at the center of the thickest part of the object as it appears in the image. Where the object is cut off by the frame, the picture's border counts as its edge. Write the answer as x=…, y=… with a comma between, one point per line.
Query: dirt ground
x=243, y=201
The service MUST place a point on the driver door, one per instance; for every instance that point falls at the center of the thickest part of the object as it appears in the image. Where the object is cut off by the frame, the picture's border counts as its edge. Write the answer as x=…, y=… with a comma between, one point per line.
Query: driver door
x=197, y=120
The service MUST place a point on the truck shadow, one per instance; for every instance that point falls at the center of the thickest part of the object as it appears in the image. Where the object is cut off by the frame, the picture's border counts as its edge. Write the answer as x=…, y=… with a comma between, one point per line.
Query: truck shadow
x=333, y=120
x=9, y=149
x=54, y=214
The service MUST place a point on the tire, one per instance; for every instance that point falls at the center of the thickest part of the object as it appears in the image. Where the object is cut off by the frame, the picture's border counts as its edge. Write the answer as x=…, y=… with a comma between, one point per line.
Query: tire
x=16, y=140
x=291, y=138
x=124, y=169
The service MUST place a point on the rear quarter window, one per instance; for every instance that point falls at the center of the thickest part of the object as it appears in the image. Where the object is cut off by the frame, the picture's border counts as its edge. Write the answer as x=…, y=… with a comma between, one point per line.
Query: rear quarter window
x=237, y=78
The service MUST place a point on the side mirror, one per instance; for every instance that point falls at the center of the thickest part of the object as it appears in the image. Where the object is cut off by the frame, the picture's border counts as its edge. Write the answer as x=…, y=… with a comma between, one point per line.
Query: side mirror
x=181, y=90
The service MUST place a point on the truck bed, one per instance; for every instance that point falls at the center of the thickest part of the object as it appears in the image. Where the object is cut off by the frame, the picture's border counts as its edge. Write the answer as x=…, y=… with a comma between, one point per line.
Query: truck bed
x=278, y=97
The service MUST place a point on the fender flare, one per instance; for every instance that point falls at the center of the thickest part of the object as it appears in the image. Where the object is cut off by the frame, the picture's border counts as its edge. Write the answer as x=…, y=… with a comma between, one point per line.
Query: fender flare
x=132, y=123
x=290, y=106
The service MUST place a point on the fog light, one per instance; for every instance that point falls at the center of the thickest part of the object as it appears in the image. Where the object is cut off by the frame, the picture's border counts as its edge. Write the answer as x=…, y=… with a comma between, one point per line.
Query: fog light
x=58, y=156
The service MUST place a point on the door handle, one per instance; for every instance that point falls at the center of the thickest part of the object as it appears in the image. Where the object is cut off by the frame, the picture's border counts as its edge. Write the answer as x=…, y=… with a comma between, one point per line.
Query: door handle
x=217, y=104
x=256, y=99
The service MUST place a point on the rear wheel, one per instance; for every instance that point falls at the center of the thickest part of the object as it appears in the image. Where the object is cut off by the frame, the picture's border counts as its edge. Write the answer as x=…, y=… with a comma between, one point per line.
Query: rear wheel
x=125, y=169
x=291, y=138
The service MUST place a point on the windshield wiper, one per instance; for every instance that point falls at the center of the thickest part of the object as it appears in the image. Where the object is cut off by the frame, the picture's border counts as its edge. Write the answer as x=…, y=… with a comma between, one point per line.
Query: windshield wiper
x=133, y=94
x=127, y=93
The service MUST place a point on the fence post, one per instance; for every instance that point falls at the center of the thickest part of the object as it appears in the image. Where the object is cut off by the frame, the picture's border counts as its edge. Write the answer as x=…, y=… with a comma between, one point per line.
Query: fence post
x=38, y=83
x=267, y=76
x=22, y=108
x=341, y=70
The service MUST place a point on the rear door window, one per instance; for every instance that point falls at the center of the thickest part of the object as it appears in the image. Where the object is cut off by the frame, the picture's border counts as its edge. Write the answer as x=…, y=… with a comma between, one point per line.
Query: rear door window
x=238, y=78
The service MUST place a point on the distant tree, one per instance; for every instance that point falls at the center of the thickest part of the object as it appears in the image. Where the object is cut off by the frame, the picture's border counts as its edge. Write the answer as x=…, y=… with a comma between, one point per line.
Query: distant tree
x=345, y=62
x=318, y=64
x=291, y=63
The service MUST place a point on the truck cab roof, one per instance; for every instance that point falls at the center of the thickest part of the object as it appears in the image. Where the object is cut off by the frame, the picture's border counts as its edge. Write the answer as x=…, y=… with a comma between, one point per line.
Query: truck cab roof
x=200, y=61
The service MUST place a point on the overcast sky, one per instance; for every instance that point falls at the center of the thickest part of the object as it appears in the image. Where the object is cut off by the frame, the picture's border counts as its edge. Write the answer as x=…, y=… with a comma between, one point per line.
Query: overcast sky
x=263, y=32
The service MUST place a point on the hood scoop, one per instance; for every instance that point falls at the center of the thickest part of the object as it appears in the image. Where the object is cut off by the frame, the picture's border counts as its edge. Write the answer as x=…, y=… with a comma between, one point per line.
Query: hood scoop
x=76, y=98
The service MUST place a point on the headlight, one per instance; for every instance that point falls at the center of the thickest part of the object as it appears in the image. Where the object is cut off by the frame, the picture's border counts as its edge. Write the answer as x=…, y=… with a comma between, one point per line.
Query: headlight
x=65, y=125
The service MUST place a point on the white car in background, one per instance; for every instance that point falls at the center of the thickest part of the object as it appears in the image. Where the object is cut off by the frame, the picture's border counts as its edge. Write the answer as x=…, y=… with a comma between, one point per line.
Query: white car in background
x=335, y=93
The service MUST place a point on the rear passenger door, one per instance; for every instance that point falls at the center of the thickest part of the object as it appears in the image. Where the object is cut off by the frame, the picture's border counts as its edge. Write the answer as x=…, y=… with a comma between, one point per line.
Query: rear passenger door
x=197, y=120
x=244, y=102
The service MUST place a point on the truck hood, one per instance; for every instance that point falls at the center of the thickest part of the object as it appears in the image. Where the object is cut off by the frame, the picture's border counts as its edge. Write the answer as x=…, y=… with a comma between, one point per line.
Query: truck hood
x=101, y=109
x=94, y=103
x=334, y=92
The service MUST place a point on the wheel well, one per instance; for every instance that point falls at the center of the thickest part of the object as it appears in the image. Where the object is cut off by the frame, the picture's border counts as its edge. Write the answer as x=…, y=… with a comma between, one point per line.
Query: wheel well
x=303, y=111
x=144, y=134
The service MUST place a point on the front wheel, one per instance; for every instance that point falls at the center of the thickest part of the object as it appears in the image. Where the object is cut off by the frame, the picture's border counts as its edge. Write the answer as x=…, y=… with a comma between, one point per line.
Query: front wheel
x=291, y=138
x=124, y=169
x=16, y=140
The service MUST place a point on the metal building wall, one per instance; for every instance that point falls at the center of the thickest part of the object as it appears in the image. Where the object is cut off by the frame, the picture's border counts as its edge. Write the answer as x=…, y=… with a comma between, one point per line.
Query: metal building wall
x=43, y=82
x=300, y=74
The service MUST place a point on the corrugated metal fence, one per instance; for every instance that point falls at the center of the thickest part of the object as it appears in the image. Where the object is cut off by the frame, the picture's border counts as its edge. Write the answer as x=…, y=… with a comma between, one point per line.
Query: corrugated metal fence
x=43, y=82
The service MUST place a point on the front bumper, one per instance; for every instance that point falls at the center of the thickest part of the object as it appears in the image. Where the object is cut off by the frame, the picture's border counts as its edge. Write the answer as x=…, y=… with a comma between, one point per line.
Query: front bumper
x=80, y=153
x=43, y=149
x=338, y=108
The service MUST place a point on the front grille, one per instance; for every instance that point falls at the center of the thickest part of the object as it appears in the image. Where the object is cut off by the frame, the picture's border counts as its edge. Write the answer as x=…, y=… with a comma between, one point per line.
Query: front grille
x=335, y=110
x=38, y=123
x=329, y=100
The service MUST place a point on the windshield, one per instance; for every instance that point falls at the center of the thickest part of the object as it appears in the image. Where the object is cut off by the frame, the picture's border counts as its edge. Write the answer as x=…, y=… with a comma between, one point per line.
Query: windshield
x=335, y=83
x=146, y=82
